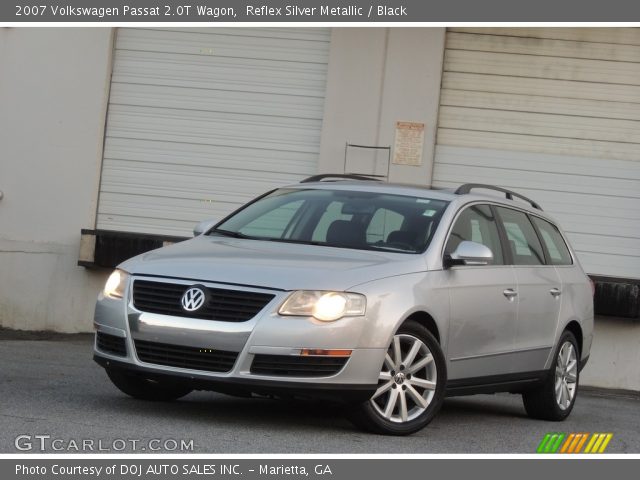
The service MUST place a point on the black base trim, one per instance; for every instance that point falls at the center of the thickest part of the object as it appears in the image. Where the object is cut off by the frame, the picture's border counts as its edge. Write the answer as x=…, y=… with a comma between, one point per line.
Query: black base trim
x=339, y=393
x=113, y=248
x=617, y=297
x=511, y=382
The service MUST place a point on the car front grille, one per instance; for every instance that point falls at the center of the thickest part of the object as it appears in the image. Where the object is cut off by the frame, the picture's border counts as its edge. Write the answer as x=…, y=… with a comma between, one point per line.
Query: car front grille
x=193, y=358
x=224, y=305
x=297, y=366
x=111, y=344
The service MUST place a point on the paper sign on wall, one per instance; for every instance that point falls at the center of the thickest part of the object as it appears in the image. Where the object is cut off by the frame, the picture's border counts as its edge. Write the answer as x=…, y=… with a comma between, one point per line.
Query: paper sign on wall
x=409, y=143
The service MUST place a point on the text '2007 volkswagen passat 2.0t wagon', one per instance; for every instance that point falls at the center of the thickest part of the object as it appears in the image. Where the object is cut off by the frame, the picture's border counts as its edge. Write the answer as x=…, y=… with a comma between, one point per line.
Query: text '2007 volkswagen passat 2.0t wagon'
x=385, y=297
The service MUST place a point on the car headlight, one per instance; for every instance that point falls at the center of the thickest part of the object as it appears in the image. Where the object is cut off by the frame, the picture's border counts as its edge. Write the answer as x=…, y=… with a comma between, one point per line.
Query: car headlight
x=325, y=306
x=116, y=284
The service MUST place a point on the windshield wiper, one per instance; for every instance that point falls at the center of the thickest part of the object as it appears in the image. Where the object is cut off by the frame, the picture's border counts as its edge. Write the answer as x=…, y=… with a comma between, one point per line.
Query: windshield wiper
x=291, y=240
x=389, y=249
x=338, y=245
x=230, y=233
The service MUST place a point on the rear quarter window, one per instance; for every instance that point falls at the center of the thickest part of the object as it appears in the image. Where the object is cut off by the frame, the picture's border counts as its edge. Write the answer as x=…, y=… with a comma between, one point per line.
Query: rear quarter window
x=556, y=247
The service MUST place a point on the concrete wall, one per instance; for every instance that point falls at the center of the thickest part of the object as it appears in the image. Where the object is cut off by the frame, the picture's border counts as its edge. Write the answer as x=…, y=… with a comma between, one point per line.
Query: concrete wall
x=615, y=355
x=378, y=76
x=53, y=96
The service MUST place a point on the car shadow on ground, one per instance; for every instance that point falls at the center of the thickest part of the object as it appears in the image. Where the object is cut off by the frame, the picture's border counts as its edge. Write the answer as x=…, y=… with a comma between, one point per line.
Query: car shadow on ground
x=277, y=413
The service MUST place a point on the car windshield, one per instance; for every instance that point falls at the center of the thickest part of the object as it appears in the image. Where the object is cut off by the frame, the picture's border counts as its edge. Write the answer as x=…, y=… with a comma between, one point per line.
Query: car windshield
x=338, y=218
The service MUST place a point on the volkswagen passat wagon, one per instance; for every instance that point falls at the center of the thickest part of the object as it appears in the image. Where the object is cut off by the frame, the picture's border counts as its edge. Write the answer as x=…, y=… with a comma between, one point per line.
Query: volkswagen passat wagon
x=385, y=297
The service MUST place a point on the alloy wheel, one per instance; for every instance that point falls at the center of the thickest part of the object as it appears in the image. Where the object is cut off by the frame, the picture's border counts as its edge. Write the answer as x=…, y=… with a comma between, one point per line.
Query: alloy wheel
x=407, y=381
x=566, y=375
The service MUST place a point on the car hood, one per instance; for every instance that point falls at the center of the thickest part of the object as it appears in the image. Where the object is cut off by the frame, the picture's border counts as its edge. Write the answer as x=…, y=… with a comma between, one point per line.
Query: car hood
x=279, y=265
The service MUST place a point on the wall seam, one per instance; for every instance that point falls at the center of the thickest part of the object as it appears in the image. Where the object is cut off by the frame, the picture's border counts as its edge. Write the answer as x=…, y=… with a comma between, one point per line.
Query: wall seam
x=114, y=34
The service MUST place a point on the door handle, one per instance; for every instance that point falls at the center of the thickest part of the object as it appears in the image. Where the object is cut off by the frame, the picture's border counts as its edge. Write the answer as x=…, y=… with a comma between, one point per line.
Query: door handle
x=510, y=293
x=555, y=292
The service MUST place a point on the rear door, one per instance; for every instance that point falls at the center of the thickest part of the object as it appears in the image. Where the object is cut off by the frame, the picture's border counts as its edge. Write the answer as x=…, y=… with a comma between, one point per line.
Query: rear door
x=539, y=292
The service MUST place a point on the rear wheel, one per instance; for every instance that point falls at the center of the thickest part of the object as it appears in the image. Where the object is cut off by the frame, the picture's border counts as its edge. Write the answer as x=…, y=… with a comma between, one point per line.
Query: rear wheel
x=411, y=384
x=554, y=399
x=145, y=388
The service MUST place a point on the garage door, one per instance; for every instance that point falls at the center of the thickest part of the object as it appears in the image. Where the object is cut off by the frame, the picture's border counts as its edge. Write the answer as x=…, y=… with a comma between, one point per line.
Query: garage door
x=202, y=120
x=555, y=114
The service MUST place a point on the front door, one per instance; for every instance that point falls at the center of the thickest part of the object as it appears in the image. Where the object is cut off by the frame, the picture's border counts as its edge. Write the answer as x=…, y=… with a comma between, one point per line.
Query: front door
x=483, y=306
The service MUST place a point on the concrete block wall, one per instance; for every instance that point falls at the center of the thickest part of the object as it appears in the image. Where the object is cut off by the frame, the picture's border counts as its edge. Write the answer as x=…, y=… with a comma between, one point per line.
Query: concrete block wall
x=53, y=96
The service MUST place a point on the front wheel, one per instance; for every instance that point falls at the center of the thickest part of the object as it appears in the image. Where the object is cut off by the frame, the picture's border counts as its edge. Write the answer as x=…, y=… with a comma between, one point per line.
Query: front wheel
x=411, y=384
x=555, y=398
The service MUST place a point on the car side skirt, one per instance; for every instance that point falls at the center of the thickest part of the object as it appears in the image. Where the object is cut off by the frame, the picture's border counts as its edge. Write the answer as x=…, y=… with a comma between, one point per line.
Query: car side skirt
x=511, y=382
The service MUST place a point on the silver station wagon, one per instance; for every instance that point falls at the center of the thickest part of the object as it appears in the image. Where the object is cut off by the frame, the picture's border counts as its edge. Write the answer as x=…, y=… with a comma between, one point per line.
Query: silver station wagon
x=385, y=297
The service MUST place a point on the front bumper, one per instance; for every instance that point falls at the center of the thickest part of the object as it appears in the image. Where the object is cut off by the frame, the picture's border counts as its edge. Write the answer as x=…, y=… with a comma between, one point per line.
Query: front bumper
x=340, y=393
x=265, y=334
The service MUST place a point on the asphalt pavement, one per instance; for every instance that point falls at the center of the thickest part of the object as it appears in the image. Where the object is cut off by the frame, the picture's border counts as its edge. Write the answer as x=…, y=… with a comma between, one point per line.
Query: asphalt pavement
x=54, y=396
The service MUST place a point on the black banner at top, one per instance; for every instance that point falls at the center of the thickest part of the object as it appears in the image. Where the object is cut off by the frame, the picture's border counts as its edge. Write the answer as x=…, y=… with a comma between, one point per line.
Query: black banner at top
x=326, y=11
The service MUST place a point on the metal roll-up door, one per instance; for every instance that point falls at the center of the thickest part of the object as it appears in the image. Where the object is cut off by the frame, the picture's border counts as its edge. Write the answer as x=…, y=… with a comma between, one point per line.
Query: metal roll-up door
x=202, y=120
x=553, y=113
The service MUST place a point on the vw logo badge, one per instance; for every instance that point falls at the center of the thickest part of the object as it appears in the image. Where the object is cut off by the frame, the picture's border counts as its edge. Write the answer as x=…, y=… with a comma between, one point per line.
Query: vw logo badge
x=193, y=299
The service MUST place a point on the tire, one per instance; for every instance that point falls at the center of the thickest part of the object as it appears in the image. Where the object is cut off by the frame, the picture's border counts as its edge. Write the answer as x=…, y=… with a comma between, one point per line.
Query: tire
x=404, y=385
x=547, y=403
x=147, y=389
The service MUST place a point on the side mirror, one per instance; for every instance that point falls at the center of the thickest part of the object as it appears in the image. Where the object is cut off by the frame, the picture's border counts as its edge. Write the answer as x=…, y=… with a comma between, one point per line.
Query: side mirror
x=469, y=253
x=203, y=226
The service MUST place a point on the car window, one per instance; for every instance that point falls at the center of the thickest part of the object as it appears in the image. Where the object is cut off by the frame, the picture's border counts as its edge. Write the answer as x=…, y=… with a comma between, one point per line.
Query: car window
x=383, y=222
x=556, y=246
x=476, y=224
x=273, y=223
x=330, y=215
x=522, y=238
x=338, y=218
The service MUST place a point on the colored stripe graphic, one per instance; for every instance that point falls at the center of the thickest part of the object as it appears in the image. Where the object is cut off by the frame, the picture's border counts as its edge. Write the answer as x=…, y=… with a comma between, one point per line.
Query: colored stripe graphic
x=551, y=442
x=598, y=443
x=605, y=443
x=572, y=438
x=556, y=442
x=543, y=443
x=592, y=440
x=581, y=443
x=574, y=444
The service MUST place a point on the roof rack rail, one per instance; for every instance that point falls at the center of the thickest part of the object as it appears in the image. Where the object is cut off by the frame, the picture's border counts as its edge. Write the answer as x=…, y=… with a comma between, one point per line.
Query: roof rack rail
x=339, y=176
x=467, y=187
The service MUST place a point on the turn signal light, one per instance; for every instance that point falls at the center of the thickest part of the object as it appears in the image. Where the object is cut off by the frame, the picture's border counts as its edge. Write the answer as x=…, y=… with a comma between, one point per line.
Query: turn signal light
x=319, y=352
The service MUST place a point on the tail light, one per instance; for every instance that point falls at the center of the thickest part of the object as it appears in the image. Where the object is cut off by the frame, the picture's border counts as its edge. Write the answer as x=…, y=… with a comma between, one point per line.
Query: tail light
x=593, y=287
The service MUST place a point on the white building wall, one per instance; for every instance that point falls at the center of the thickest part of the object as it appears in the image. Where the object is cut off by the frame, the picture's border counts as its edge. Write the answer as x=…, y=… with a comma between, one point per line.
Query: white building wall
x=615, y=355
x=203, y=120
x=552, y=113
x=53, y=92
x=377, y=77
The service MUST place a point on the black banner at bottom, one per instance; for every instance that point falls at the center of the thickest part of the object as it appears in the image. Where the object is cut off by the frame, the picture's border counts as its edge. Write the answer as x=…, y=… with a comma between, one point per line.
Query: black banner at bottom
x=161, y=468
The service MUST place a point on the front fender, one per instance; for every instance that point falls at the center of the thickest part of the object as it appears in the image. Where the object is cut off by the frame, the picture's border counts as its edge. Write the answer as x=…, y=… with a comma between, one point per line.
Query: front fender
x=391, y=300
